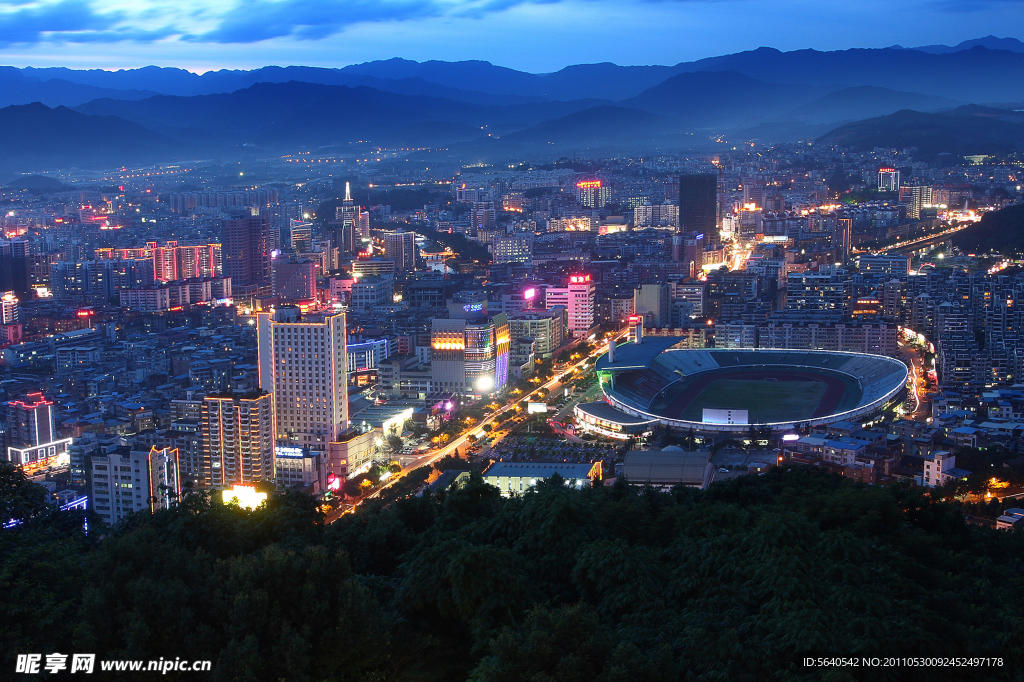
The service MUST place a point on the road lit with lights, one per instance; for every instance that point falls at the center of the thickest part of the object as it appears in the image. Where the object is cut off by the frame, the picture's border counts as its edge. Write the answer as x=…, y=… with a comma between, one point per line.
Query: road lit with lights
x=430, y=457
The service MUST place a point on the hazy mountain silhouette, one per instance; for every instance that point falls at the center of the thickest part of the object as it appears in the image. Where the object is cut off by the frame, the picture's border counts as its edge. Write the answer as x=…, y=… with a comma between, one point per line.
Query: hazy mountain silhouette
x=983, y=70
x=866, y=101
x=18, y=87
x=34, y=136
x=965, y=130
x=990, y=42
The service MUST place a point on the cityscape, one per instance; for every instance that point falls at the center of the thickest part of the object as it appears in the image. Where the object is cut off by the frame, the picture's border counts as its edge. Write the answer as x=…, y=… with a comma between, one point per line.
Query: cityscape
x=441, y=370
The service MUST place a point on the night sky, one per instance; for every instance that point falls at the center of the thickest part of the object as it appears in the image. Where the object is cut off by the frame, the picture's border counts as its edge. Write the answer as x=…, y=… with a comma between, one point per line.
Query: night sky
x=535, y=36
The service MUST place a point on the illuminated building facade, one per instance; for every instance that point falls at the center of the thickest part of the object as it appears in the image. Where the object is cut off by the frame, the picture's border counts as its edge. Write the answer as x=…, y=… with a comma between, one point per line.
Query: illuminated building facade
x=10, y=312
x=888, y=180
x=125, y=482
x=578, y=298
x=172, y=262
x=592, y=193
x=303, y=364
x=32, y=436
x=237, y=439
x=470, y=356
x=400, y=247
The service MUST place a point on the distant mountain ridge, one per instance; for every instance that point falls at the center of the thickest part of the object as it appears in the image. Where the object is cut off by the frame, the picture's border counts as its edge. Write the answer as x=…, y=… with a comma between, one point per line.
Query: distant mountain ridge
x=962, y=131
x=36, y=137
x=983, y=70
x=990, y=41
x=856, y=98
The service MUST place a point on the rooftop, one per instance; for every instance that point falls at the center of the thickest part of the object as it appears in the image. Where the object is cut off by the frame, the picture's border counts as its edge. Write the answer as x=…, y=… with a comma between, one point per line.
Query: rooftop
x=637, y=356
x=605, y=412
x=666, y=467
x=539, y=469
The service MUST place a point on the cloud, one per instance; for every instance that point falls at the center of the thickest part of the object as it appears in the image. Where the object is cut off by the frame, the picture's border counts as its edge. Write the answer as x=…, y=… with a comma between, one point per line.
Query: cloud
x=249, y=22
x=31, y=24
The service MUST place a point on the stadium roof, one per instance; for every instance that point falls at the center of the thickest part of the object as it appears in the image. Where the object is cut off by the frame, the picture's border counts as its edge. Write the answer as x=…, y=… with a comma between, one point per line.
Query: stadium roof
x=605, y=412
x=637, y=356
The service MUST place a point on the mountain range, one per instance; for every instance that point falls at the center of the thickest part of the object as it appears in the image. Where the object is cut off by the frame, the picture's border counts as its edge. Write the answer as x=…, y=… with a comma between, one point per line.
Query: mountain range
x=477, y=107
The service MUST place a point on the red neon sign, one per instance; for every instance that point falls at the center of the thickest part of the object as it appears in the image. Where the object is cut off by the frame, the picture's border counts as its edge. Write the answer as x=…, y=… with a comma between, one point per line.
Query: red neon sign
x=588, y=184
x=579, y=279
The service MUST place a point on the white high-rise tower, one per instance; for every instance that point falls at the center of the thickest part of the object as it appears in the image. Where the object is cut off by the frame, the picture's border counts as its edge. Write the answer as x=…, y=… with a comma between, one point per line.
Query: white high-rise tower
x=303, y=364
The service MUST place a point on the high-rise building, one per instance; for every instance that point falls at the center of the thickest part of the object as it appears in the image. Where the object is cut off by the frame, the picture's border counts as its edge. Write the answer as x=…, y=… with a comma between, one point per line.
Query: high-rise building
x=888, y=180
x=14, y=267
x=300, y=235
x=698, y=205
x=30, y=421
x=10, y=312
x=172, y=262
x=545, y=327
x=125, y=482
x=348, y=231
x=578, y=298
x=517, y=248
x=483, y=215
x=400, y=247
x=915, y=197
x=812, y=291
x=294, y=280
x=303, y=364
x=842, y=238
x=32, y=441
x=653, y=301
x=592, y=193
x=470, y=355
x=246, y=250
x=237, y=439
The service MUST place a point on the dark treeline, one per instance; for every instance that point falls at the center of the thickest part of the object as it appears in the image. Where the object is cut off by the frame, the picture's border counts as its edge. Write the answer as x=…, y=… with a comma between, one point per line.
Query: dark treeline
x=617, y=584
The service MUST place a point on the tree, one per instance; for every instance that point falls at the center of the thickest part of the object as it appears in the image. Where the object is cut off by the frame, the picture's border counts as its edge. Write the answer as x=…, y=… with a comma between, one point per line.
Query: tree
x=20, y=498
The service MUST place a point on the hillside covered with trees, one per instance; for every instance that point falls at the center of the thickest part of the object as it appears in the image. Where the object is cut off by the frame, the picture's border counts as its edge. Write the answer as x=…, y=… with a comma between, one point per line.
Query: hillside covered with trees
x=1000, y=231
x=617, y=584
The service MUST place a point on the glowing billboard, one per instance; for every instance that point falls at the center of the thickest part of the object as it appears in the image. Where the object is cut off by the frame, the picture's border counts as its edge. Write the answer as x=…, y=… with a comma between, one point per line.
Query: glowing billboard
x=245, y=496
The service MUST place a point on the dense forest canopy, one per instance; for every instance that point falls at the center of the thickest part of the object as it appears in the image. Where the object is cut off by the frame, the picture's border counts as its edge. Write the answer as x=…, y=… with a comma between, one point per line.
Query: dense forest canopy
x=616, y=584
x=1000, y=231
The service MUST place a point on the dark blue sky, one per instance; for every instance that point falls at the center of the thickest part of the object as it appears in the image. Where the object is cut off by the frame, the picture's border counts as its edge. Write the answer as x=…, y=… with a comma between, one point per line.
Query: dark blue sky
x=537, y=35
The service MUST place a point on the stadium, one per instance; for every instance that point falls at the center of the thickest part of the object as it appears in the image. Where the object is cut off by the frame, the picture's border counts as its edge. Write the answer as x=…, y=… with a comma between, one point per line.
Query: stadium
x=730, y=390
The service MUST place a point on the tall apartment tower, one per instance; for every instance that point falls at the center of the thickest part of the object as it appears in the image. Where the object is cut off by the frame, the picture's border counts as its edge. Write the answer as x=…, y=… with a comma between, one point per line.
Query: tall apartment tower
x=126, y=482
x=14, y=267
x=888, y=180
x=237, y=439
x=246, y=250
x=654, y=303
x=10, y=311
x=303, y=363
x=842, y=238
x=698, y=205
x=578, y=298
x=401, y=248
x=30, y=421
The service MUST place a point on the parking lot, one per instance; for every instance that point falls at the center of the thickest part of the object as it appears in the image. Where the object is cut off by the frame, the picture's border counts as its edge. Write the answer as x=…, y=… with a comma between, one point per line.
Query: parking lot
x=525, y=448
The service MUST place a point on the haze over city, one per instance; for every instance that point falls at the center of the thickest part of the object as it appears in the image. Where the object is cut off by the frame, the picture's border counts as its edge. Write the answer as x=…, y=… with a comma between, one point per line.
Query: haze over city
x=504, y=340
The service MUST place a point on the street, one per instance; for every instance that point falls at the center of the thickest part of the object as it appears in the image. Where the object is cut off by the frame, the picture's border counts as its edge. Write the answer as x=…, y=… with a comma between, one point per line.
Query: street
x=428, y=458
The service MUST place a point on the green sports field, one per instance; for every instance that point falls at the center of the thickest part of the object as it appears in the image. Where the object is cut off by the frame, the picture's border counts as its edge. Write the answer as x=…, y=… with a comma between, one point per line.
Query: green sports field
x=765, y=401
